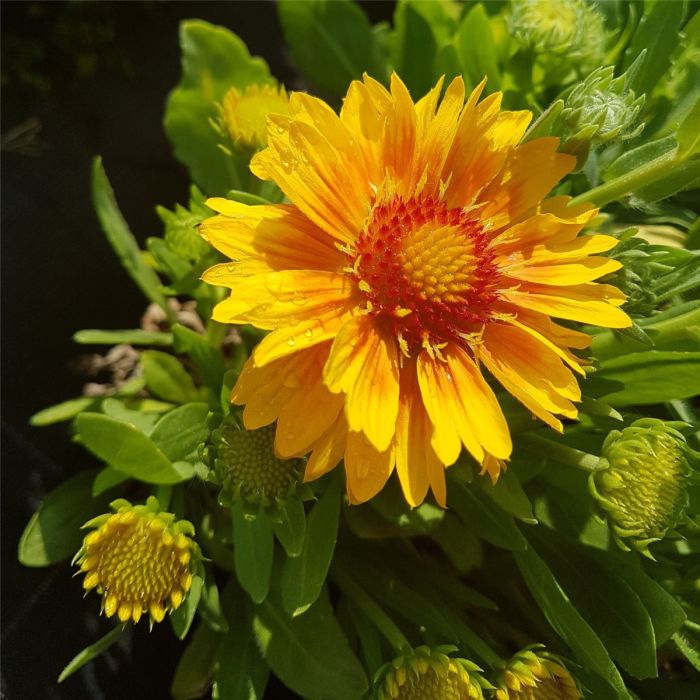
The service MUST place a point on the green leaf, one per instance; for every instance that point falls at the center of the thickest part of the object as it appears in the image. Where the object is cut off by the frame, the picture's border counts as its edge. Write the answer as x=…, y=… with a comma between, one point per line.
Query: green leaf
x=602, y=596
x=477, y=50
x=117, y=410
x=121, y=239
x=637, y=157
x=253, y=551
x=180, y=432
x=209, y=360
x=63, y=411
x=210, y=608
x=687, y=639
x=292, y=527
x=126, y=449
x=182, y=618
x=331, y=41
x=303, y=576
x=53, y=532
x=487, y=520
x=652, y=377
x=214, y=60
x=167, y=378
x=136, y=336
x=309, y=653
x=414, y=46
x=567, y=621
x=91, y=652
x=460, y=544
x=509, y=495
x=195, y=670
x=242, y=673
x=106, y=479
x=657, y=32
x=684, y=176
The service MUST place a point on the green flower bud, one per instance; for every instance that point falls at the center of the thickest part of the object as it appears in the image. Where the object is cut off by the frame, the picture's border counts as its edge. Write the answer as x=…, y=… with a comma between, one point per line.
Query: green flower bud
x=600, y=109
x=569, y=29
x=246, y=466
x=534, y=674
x=430, y=674
x=181, y=234
x=640, y=483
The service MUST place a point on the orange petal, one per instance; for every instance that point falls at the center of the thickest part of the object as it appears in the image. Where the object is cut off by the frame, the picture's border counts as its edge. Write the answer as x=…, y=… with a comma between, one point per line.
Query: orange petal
x=364, y=364
x=328, y=450
x=580, y=272
x=367, y=469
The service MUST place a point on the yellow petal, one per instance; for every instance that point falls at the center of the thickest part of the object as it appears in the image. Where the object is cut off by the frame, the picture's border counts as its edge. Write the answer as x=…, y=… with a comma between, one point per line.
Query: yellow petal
x=364, y=364
x=327, y=451
x=367, y=469
x=585, y=270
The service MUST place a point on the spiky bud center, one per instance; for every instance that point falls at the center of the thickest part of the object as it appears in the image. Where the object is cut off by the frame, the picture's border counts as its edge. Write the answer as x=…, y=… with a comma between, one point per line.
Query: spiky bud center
x=429, y=674
x=244, y=113
x=247, y=466
x=139, y=560
x=641, y=479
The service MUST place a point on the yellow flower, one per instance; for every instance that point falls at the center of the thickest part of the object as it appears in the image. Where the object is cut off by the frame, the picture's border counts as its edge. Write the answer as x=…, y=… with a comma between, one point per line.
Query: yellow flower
x=430, y=674
x=139, y=560
x=244, y=114
x=533, y=674
x=418, y=250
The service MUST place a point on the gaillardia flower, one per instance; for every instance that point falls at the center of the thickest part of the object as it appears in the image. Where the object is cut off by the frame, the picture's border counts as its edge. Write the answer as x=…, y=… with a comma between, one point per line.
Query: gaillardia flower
x=139, y=559
x=418, y=250
x=534, y=674
x=430, y=674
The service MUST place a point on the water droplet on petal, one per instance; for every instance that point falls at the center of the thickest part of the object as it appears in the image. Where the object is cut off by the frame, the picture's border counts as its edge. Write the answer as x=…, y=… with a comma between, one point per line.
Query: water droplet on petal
x=309, y=333
x=291, y=341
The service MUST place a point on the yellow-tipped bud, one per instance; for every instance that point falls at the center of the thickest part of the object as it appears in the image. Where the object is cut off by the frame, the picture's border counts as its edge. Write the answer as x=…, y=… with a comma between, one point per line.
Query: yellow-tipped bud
x=430, y=674
x=135, y=558
x=534, y=674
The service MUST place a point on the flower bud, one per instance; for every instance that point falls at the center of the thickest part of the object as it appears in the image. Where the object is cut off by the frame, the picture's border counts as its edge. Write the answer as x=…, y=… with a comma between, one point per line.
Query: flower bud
x=139, y=560
x=640, y=483
x=430, y=674
x=246, y=465
x=534, y=674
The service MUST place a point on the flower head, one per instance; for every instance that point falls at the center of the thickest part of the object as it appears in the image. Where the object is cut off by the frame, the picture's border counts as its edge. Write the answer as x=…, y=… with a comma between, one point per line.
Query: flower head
x=533, y=674
x=430, y=674
x=244, y=113
x=247, y=467
x=640, y=484
x=139, y=559
x=418, y=251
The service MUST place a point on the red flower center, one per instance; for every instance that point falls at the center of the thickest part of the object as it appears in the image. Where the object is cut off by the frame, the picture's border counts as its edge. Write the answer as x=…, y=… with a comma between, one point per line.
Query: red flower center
x=427, y=269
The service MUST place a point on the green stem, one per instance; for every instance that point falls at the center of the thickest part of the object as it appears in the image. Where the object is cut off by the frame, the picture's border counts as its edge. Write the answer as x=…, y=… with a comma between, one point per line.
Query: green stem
x=371, y=609
x=561, y=453
x=163, y=493
x=630, y=182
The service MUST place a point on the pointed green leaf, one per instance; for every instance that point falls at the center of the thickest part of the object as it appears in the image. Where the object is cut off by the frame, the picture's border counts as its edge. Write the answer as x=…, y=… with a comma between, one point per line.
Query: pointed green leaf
x=63, y=411
x=209, y=360
x=114, y=408
x=121, y=239
x=509, y=495
x=179, y=432
x=309, y=653
x=106, y=479
x=182, y=618
x=126, y=449
x=53, y=532
x=195, y=670
x=91, y=652
x=477, y=50
x=331, y=41
x=304, y=576
x=167, y=378
x=253, y=550
x=291, y=529
x=136, y=336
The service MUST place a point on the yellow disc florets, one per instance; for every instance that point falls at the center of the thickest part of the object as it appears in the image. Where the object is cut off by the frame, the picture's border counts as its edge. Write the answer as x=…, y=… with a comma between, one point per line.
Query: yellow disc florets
x=430, y=674
x=533, y=674
x=247, y=467
x=139, y=559
x=244, y=113
x=640, y=483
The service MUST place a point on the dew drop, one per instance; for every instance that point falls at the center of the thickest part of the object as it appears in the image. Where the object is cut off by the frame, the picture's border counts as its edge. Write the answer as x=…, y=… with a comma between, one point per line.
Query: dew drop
x=291, y=341
x=309, y=333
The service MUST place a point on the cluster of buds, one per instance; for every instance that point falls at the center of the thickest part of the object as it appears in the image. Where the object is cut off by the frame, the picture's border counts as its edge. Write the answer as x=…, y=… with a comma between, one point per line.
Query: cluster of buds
x=598, y=110
x=140, y=560
x=640, y=483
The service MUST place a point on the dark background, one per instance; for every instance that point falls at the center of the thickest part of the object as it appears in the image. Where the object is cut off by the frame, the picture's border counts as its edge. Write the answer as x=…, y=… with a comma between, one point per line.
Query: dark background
x=80, y=79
